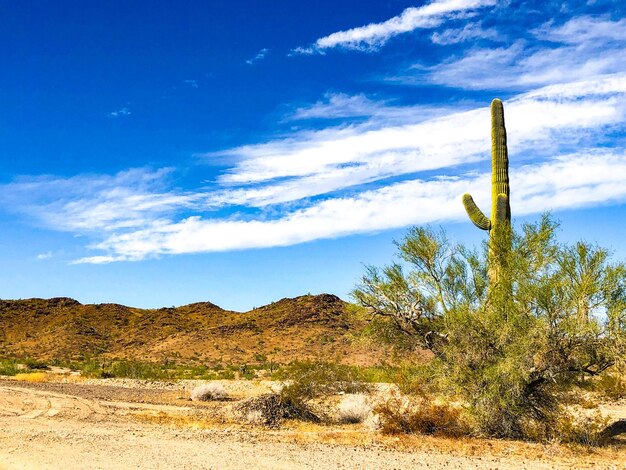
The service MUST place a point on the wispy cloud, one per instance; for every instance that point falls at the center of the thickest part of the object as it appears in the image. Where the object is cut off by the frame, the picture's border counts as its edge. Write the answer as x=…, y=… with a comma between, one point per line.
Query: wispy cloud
x=259, y=56
x=583, y=47
x=583, y=29
x=375, y=35
x=468, y=32
x=86, y=203
x=346, y=180
x=120, y=113
x=570, y=181
x=379, y=112
x=45, y=256
x=422, y=142
x=191, y=83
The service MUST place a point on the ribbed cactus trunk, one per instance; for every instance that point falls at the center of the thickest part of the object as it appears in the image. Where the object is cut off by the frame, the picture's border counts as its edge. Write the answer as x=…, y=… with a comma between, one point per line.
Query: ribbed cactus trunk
x=499, y=224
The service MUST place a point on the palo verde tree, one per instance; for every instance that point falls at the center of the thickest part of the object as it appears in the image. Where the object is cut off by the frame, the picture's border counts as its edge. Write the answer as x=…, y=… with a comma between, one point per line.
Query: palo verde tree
x=508, y=353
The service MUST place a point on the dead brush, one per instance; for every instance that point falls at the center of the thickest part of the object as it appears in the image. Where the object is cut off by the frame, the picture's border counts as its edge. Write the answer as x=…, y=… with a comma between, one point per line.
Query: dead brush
x=410, y=415
x=272, y=409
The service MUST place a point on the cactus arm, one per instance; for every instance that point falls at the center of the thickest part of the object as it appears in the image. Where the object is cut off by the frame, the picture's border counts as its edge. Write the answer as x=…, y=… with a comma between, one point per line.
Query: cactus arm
x=475, y=214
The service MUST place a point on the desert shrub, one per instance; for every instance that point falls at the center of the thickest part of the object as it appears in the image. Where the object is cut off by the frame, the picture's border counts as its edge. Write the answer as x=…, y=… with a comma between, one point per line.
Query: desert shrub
x=212, y=391
x=308, y=380
x=410, y=415
x=612, y=386
x=34, y=364
x=568, y=427
x=585, y=430
x=273, y=408
x=226, y=374
x=8, y=367
x=509, y=349
x=137, y=370
x=93, y=369
x=353, y=408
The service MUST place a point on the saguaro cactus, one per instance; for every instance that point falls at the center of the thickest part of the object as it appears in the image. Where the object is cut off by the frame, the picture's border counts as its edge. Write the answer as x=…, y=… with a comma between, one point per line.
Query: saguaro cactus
x=500, y=220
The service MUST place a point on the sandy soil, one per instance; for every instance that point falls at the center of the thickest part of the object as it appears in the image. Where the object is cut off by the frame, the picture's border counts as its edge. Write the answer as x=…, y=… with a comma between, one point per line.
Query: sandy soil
x=133, y=425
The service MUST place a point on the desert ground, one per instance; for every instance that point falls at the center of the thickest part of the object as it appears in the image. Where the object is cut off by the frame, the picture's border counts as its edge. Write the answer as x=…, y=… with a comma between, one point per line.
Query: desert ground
x=68, y=422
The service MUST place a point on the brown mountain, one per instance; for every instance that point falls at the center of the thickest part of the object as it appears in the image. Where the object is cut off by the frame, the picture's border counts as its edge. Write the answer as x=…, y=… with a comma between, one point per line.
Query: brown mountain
x=306, y=327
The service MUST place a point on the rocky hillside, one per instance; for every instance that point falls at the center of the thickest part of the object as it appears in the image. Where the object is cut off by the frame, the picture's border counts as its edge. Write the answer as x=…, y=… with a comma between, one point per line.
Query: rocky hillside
x=307, y=327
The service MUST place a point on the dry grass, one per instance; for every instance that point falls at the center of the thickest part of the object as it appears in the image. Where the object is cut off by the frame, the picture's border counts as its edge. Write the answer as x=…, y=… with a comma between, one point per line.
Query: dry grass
x=293, y=431
x=212, y=391
x=179, y=421
x=420, y=415
x=34, y=377
x=354, y=408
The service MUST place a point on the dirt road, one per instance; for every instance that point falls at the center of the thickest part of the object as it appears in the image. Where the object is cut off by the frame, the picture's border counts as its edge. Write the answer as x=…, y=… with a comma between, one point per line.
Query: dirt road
x=52, y=426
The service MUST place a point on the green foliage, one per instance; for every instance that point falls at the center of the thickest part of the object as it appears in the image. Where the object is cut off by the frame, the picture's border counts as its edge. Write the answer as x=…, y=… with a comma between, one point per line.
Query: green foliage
x=9, y=367
x=612, y=386
x=138, y=370
x=308, y=380
x=557, y=314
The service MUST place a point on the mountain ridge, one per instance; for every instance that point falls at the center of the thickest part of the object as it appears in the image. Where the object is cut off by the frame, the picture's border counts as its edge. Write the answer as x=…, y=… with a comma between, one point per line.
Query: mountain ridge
x=308, y=327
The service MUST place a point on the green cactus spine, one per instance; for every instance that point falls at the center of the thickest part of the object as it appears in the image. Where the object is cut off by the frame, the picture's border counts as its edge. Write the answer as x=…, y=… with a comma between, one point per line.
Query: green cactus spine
x=500, y=222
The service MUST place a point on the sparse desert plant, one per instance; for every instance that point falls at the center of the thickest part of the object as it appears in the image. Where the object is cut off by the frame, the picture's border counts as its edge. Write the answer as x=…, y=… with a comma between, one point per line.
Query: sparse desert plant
x=354, y=408
x=212, y=391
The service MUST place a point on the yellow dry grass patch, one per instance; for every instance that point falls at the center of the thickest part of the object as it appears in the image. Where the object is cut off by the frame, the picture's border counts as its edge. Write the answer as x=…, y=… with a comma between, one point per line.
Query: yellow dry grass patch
x=179, y=420
x=32, y=377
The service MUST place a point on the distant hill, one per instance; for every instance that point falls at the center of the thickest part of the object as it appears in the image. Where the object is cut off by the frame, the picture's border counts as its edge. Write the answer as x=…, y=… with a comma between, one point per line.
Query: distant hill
x=306, y=327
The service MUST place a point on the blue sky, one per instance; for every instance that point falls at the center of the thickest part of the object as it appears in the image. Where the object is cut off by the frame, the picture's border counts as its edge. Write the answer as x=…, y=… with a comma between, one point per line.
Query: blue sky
x=157, y=154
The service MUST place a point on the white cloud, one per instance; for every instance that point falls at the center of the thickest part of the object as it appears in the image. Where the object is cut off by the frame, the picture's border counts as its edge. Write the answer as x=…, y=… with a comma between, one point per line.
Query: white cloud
x=340, y=105
x=120, y=113
x=94, y=202
x=468, y=32
x=587, y=47
x=380, y=113
x=259, y=56
x=339, y=181
x=584, y=29
x=375, y=35
x=569, y=181
x=44, y=256
x=336, y=158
